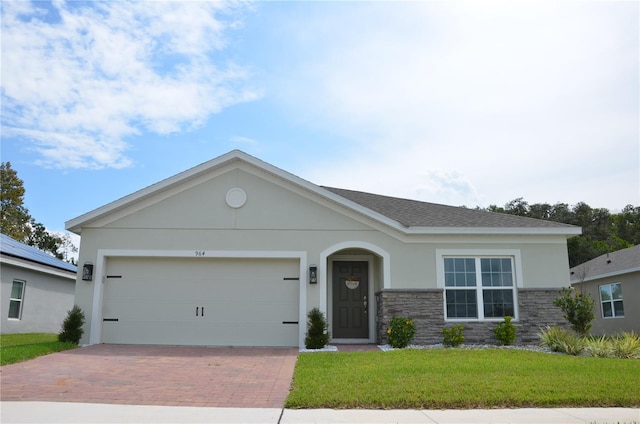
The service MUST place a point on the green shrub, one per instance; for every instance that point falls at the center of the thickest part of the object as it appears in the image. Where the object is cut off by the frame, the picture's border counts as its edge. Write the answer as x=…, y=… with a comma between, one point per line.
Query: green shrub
x=560, y=340
x=452, y=336
x=317, y=335
x=72, y=326
x=626, y=345
x=401, y=332
x=577, y=308
x=505, y=332
x=598, y=346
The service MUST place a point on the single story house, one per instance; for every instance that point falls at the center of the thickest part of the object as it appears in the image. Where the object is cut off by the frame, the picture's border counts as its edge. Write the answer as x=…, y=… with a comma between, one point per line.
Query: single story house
x=613, y=280
x=37, y=289
x=235, y=252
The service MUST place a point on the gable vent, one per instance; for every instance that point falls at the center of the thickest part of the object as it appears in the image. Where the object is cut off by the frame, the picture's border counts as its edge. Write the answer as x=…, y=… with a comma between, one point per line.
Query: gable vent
x=236, y=198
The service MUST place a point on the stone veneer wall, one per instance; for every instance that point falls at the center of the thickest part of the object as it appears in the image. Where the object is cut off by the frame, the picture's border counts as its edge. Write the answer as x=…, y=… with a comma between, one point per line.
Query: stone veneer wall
x=426, y=308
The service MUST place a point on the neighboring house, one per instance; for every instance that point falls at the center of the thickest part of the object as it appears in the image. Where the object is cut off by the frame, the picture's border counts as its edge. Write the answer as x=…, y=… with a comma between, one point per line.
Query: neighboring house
x=37, y=289
x=236, y=251
x=613, y=280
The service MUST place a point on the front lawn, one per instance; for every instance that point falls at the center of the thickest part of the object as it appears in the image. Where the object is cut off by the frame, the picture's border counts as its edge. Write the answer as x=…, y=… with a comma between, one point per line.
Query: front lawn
x=462, y=378
x=22, y=347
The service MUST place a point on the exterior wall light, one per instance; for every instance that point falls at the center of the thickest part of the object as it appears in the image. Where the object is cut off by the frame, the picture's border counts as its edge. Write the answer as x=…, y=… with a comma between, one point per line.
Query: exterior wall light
x=313, y=274
x=87, y=271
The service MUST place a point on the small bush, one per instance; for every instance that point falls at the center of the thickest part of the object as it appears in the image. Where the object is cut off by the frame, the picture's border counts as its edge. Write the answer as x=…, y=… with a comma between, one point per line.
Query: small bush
x=401, y=332
x=505, y=332
x=577, y=308
x=598, y=346
x=452, y=336
x=317, y=335
x=560, y=340
x=626, y=345
x=72, y=326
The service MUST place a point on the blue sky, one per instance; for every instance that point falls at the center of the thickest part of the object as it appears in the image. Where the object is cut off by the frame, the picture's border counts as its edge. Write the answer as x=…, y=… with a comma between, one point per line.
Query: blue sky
x=463, y=102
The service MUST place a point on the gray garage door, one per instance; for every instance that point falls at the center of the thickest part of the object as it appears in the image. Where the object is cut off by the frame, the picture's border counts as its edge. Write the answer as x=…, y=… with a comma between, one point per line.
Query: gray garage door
x=199, y=301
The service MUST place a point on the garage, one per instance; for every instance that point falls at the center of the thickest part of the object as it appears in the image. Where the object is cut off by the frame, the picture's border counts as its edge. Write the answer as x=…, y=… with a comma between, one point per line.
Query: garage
x=201, y=301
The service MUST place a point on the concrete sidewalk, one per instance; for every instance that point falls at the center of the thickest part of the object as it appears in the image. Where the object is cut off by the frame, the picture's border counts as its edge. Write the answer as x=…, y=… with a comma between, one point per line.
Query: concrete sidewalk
x=63, y=412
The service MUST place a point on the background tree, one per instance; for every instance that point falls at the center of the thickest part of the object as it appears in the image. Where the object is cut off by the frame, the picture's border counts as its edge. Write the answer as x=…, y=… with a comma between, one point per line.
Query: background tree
x=17, y=223
x=14, y=218
x=602, y=231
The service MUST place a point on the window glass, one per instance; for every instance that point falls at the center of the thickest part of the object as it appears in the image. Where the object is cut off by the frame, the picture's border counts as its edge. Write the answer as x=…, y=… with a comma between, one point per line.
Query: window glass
x=494, y=298
x=15, y=303
x=611, y=300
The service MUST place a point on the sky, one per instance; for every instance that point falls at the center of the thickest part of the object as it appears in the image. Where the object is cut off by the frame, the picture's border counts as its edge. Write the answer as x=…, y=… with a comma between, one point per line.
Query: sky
x=472, y=103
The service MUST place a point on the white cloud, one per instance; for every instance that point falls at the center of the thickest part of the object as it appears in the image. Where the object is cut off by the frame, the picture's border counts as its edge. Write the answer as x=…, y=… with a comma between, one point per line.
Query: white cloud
x=80, y=78
x=475, y=101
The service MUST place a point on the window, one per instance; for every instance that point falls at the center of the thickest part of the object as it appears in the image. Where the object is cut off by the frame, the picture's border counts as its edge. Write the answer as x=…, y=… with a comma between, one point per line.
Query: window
x=611, y=300
x=479, y=288
x=15, y=303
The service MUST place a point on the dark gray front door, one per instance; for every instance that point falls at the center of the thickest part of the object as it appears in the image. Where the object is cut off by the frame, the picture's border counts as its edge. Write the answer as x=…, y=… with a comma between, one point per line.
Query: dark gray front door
x=350, y=299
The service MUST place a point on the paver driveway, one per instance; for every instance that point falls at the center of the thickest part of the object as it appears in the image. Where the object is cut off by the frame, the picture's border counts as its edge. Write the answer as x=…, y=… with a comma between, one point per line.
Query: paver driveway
x=155, y=375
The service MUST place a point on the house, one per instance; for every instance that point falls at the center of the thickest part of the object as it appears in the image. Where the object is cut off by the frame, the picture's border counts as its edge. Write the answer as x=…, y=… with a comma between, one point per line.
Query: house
x=236, y=251
x=613, y=280
x=37, y=289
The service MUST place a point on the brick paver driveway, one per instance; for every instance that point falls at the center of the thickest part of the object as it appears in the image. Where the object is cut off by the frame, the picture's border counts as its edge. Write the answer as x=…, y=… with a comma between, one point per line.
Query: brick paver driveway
x=155, y=375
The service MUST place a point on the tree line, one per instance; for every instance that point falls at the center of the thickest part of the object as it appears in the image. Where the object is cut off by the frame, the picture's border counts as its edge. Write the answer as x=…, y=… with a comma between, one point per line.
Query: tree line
x=602, y=231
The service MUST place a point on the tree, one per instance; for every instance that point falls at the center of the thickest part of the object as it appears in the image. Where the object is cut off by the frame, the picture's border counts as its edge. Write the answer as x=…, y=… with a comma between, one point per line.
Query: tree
x=14, y=218
x=17, y=223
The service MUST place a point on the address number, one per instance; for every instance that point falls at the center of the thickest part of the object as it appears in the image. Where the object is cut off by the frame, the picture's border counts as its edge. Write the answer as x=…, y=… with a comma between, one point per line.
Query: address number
x=200, y=252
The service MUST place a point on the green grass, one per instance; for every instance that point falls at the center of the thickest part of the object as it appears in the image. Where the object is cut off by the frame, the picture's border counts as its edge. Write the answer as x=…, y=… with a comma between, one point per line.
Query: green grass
x=22, y=347
x=462, y=378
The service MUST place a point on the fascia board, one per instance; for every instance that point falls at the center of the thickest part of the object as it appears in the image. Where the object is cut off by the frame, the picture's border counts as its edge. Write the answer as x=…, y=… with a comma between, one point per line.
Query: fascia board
x=568, y=231
x=38, y=267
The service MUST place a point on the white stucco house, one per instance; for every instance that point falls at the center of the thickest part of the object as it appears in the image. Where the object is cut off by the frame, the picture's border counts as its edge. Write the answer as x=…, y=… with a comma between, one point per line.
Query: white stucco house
x=37, y=289
x=613, y=281
x=236, y=251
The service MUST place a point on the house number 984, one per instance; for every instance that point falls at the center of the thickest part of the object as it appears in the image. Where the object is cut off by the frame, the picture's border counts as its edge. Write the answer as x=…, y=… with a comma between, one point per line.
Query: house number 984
x=199, y=252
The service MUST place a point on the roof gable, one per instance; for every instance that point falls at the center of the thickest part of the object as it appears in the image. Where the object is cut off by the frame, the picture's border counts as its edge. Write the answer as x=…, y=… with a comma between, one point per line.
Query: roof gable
x=404, y=215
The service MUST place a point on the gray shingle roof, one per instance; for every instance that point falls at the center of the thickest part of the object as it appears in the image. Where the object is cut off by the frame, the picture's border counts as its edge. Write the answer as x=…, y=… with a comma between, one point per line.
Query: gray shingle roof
x=414, y=213
x=11, y=247
x=625, y=260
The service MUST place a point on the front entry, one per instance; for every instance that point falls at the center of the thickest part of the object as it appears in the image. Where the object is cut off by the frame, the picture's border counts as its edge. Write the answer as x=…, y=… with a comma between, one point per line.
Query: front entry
x=350, y=299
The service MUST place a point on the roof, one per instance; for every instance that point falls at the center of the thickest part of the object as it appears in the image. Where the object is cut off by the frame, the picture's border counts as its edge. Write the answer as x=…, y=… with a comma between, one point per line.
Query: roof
x=414, y=213
x=615, y=263
x=404, y=215
x=11, y=247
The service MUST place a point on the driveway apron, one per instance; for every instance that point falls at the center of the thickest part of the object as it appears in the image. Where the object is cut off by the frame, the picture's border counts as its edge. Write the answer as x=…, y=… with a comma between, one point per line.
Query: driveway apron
x=155, y=375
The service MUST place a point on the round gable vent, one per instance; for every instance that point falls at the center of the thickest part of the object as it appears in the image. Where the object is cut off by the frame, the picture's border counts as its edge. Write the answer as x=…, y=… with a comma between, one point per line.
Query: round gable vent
x=236, y=198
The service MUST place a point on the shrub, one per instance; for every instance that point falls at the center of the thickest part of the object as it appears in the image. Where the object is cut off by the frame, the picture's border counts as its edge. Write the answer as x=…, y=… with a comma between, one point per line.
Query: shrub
x=577, y=308
x=401, y=332
x=626, y=345
x=560, y=340
x=72, y=326
x=452, y=336
x=317, y=335
x=598, y=346
x=505, y=332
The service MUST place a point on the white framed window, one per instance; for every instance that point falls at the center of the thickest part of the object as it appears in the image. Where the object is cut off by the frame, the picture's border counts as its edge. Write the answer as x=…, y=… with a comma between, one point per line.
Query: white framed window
x=17, y=297
x=611, y=300
x=479, y=285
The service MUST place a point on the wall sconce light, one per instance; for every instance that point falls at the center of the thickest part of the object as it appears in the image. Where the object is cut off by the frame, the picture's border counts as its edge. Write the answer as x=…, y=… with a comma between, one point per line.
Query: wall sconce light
x=87, y=271
x=313, y=274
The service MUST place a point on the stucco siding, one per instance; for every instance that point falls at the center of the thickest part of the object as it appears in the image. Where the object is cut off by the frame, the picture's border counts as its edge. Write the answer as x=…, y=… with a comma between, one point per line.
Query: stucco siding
x=45, y=304
x=630, y=283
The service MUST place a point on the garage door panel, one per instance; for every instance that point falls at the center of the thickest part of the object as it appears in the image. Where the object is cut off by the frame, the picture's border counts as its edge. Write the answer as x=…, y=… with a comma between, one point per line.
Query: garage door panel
x=223, y=302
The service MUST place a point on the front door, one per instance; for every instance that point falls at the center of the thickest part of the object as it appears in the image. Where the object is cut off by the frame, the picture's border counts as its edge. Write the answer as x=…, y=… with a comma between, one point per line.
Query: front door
x=350, y=300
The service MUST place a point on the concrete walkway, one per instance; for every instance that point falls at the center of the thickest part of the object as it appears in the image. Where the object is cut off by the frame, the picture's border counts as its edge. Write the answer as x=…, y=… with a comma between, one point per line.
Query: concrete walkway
x=64, y=412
